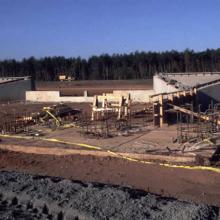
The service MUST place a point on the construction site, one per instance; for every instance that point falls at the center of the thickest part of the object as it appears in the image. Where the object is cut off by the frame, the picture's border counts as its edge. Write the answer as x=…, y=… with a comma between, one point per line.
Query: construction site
x=149, y=147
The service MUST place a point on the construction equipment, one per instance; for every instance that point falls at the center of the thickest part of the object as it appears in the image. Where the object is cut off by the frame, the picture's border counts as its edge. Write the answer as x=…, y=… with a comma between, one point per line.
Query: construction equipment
x=66, y=78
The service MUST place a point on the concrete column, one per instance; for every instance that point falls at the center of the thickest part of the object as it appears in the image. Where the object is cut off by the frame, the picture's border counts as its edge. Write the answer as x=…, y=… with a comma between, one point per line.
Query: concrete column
x=85, y=93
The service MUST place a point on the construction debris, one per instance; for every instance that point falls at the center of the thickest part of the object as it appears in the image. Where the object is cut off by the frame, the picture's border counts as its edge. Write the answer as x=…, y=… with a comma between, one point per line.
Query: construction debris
x=56, y=115
x=53, y=117
x=15, y=123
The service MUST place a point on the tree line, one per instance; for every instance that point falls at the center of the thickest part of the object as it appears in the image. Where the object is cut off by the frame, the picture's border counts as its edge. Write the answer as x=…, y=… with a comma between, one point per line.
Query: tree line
x=138, y=65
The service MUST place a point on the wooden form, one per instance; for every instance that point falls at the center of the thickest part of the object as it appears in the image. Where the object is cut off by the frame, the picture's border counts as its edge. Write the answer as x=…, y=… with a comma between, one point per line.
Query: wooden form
x=197, y=115
x=161, y=100
x=172, y=95
x=108, y=103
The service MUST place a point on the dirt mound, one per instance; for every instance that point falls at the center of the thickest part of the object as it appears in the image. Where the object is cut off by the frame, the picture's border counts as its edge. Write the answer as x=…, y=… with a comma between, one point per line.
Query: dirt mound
x=38, y=197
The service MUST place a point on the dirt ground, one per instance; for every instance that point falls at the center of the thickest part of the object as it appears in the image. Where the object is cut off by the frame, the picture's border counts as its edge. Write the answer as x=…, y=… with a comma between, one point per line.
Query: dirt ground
x=94, y=87
x=22, y=107
x=189, y=185
x=140, y=139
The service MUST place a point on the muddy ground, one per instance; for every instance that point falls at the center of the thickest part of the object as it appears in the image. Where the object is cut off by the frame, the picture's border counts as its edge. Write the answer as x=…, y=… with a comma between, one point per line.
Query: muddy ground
x=26, y=108
x=22, y=107
x=94, y=87
x=26, y=196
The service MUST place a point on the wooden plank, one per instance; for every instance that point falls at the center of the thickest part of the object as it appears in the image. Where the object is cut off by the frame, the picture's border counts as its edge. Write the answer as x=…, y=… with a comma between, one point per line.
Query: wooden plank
x=189, y=112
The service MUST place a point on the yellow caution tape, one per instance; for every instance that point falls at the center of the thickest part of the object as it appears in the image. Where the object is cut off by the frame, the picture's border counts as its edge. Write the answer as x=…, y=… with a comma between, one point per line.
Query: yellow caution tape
x=111, y=152
x=208, y=168
x=51, y=140
x=214, y=169
x=209, y=141
x=70, y=143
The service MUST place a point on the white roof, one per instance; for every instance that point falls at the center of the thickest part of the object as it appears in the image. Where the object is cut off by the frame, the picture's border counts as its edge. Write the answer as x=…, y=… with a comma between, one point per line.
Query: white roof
x=188, y=80
x=12, y=79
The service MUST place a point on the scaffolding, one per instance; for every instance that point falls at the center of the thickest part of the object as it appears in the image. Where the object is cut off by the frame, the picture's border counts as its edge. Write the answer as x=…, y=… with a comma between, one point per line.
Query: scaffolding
x=197, y=125
x=111, y=104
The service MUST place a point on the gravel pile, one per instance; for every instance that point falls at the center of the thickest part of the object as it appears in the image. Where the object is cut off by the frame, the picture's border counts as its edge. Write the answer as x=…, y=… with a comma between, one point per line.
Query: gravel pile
x=26, y=196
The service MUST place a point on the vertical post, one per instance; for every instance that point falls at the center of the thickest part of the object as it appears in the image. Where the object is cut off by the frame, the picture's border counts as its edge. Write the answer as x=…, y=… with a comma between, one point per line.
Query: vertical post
x=120, y=107
x=126, y=106
x=192, y=110
x=181, y=129
x=94, y=106
x=161, y=110
x=178, y=126
x=129, y=104
x=85, y=93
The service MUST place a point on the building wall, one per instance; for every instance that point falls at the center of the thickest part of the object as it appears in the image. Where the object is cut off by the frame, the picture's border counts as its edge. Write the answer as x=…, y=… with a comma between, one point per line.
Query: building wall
x=43, y=96
x=14, y=90
x=160, y=86
x=54, y=96
x=136, y=95
x=208, y=94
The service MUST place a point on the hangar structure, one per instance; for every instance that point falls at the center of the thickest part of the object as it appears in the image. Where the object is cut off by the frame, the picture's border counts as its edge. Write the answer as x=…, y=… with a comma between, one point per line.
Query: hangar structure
x=14, y=88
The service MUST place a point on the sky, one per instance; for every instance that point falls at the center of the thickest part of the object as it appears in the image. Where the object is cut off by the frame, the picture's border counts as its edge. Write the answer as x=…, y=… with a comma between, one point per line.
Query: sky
x=83, y=28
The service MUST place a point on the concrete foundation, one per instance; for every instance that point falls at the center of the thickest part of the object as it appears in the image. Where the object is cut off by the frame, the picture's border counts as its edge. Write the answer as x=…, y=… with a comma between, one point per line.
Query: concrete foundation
x=136, y=95
x=54, y=96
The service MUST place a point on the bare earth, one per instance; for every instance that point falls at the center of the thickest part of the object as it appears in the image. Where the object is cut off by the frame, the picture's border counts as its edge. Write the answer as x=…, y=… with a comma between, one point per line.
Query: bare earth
x=94, y=87
x=189, y=185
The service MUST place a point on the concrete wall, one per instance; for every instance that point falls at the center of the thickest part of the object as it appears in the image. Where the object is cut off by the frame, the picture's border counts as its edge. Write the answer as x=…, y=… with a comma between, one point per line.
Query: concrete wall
x=160, y=86
x=14, y=90
x=54, y=96
x=43, y=96
x=136, y=95
x=208, y=94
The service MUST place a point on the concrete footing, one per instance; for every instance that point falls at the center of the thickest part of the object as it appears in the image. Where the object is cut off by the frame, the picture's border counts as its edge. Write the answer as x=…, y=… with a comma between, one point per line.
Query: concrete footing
x=54, y=96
